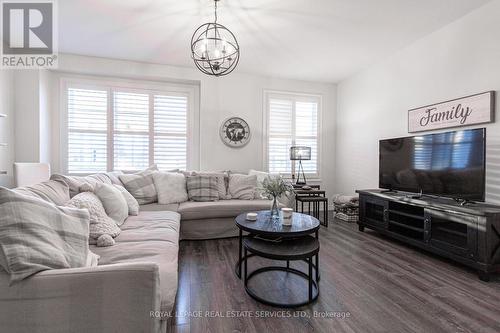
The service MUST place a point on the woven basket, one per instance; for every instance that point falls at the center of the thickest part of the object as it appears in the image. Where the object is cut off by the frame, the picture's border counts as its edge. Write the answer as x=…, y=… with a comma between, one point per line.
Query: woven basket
x=347, y=212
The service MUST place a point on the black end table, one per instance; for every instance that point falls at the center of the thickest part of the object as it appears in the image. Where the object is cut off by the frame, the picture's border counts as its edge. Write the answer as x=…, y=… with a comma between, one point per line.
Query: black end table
x=315, y=198
x=273, y=240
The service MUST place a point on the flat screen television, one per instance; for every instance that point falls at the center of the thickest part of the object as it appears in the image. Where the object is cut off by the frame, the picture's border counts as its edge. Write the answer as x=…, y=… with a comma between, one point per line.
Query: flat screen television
x=450, y=164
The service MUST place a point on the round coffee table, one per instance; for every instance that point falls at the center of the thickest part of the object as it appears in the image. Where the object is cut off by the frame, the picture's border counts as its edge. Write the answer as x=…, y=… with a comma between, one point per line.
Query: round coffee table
x=273, y=240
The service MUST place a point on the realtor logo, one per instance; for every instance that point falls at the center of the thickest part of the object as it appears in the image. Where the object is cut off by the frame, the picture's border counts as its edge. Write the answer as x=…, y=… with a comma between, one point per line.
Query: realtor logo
x=28, y=34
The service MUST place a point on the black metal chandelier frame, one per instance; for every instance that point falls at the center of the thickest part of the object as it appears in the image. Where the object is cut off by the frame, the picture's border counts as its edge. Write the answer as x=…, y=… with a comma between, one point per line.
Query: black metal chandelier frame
x=223, y=64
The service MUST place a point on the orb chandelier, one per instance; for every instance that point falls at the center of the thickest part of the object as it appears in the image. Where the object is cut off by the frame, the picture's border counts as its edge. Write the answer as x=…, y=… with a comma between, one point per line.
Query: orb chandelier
x=214, y=48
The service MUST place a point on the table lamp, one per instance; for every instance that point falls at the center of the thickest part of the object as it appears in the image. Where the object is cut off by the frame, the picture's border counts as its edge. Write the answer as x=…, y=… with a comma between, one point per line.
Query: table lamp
x=300, y=153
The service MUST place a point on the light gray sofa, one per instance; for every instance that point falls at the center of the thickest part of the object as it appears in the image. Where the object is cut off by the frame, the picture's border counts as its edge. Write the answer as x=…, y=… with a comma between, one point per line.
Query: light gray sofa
x=209, y=220
x=135, y=278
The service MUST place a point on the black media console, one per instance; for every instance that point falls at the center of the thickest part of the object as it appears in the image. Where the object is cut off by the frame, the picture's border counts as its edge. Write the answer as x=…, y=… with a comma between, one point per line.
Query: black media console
x=469, y=234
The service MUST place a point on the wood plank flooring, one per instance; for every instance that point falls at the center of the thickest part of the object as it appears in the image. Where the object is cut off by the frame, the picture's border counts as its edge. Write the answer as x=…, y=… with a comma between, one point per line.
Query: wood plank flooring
x=383, y=285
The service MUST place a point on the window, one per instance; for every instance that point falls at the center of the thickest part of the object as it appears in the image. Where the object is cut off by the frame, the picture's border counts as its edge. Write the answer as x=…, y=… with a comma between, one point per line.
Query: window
x=292, y=120
x=110, y=127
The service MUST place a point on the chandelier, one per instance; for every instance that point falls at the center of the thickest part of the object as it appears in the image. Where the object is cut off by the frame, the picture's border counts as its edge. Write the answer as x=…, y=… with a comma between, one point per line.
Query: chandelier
x=214, y=48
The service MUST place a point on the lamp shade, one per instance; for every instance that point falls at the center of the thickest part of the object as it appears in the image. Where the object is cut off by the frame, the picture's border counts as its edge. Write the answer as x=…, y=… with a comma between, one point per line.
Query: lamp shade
x=300, y=153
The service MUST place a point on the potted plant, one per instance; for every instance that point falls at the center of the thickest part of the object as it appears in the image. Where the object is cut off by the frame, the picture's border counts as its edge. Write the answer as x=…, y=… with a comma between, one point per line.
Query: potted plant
x=273, y=188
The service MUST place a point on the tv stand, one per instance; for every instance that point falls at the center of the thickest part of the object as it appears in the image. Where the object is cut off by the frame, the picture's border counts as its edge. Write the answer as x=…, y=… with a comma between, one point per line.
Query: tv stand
x=458, y=230
x=464, y=202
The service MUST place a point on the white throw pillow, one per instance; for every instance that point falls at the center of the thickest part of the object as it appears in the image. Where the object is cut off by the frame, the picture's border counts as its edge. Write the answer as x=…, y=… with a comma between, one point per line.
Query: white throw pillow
x=261, y=175
x=171, y=187
x=113, y=201
x=133, y=205
x=242, y=186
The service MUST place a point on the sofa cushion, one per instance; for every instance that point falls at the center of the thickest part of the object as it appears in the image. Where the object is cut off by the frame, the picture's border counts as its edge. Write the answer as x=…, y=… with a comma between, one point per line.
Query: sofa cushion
x=224, y=208
x=75, y=182
x=242, y=187
x=36, y=235
x=113, y=175
x=100, y=223
x=222, y=181
x=141, y=186
x=113, y=201
x=56, y=192
x=202, y=188
x=149, y=237
x=133, y=205
x=154, y=207
x=171, y=187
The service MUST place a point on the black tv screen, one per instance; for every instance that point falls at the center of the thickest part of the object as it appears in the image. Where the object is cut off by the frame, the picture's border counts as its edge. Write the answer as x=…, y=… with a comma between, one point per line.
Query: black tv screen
x=450, y=164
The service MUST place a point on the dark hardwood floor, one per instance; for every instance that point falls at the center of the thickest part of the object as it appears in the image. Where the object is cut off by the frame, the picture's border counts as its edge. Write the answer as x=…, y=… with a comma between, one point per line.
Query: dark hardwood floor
x=377, y=284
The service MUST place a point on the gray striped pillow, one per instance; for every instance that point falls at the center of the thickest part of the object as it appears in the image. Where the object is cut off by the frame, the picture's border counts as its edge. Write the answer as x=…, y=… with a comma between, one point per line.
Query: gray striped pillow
x=36, y=235
x=202, y=188
x=141, y=186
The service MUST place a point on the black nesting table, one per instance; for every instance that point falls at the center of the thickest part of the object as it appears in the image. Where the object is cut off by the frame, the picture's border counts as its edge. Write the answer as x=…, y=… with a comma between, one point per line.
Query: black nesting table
x=273, y=240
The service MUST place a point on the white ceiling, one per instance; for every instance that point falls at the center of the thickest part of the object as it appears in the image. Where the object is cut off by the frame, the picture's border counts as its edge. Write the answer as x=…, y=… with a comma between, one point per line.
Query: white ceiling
x=316, y=40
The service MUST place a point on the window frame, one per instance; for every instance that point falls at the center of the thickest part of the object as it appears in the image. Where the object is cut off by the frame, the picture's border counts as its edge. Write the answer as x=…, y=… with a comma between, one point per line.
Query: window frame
x=294, y=97
x=152, y=88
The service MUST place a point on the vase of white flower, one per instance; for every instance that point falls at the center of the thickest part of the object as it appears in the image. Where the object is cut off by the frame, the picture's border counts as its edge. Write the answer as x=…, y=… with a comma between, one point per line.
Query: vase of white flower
x=273, y=188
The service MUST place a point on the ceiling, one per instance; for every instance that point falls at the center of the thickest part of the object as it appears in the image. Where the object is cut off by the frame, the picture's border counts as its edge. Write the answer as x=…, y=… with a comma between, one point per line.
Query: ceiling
x=315, y=40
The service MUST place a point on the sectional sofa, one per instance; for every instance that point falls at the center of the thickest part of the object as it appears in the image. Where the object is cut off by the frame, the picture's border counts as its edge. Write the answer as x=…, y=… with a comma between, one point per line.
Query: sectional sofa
x=134, y=286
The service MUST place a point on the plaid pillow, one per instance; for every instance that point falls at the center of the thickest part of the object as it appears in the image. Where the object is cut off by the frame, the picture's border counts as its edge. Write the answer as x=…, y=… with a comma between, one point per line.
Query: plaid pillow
x=202, y=188
x=141, y=186
x=36, y=235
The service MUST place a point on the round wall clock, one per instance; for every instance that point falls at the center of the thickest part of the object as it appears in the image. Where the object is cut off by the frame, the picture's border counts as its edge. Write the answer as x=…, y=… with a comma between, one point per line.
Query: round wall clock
x=235, y=132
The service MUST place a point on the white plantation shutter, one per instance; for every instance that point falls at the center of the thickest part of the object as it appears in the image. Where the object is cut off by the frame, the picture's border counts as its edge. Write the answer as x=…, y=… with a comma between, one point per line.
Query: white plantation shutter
x=306, y=132
x=280, y=135
x=114, y=128
x=87, y=130
x=131, y=131
x=292, y=121
x=170, y=131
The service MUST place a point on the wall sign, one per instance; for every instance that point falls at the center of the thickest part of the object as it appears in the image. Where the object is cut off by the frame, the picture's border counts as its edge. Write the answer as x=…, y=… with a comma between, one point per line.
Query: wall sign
x=470, y=110
x=235, y=132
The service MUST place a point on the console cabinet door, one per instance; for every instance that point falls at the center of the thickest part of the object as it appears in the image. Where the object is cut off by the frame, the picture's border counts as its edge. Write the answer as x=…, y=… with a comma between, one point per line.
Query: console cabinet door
x=455, y=233
x=373, y=211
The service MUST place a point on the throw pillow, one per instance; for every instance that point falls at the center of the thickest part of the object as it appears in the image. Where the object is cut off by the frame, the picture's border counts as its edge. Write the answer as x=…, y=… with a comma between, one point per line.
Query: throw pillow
x=53, y=191
x=202, y=188
x=242, y=187
x=141, y=186
x=261, y=175
x=113, y=201
x=222, y=179
x=36, y=235
x=113, y=175
x=171, y=187
x=133, y=205
x=100, y=223
x=75, y=182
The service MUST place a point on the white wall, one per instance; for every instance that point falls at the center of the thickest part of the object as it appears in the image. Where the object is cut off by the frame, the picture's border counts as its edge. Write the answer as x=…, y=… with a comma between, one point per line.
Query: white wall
x=26, y=105
x=460, y=59
x=234, y=95
x=7, y=126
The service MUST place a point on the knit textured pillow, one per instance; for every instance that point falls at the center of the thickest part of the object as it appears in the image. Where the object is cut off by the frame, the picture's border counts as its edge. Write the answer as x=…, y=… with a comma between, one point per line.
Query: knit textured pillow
x=100, y=223
x=202, y=188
